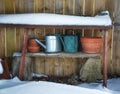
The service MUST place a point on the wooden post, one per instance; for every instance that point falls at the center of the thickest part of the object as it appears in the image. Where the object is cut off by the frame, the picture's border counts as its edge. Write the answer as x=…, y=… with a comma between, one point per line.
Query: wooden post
x=22, y=63
x=105, y=59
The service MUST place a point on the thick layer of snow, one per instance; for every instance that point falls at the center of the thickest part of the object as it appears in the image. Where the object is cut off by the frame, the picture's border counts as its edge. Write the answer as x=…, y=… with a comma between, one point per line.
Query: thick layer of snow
x=15, y=86
x=55, y=19
x=1, y=68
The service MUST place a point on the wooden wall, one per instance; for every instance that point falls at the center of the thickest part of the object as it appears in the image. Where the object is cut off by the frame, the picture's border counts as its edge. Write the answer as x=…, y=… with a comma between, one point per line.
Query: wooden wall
x=116, y=40
x=11, y=38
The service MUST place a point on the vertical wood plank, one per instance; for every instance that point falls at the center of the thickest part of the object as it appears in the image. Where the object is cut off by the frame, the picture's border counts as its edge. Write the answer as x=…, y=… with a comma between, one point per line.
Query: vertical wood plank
x=115, y=49
x=73, y=10
x=111, y=7
x=2, y=7
x=19, y=6
x=110, y=71
x=78, y=7
x=9, y=6
x=2, y=43
x=67, y=66
x=39, y=65
x=88, y=7
x=117, y=59
x=29, y=6
x=10, y=32
x=88, y=11
x=64, y=6
x=75, y=66
x=49, y=65
x=83, y=13
x=59, y=6
x=69, y=6
x=93, y=7
x=61, y=64
x=10, y=41
x=116, y=54
x=93, y=13
x=38, y=6
x=49, y=6
x=83, y=7
x=19, y=39
x=19, y=32
x=57, y=67
x=99, y=6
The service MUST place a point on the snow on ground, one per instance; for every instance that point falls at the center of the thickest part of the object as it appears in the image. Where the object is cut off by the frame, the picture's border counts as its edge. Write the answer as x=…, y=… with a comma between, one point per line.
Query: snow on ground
x=15, y=86
x=55, y=19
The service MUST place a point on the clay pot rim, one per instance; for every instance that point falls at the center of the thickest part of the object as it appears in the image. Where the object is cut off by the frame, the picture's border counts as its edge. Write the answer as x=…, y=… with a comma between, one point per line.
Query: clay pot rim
x=34, y=47
x=91, y=37
x=88, y=39
x=91, y=44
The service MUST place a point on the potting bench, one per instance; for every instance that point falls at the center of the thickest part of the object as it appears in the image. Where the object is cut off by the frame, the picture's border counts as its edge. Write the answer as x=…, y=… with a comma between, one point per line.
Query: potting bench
x=102, y=28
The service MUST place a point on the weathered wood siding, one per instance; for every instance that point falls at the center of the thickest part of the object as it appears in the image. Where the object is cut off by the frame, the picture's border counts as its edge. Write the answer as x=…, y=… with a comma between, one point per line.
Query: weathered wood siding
x=116, y=40
x=11, y=38
x=116, y=52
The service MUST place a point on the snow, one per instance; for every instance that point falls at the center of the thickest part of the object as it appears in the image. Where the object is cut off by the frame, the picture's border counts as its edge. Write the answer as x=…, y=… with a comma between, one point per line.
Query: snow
x=102, y=19
x=15, y=86
x=15, y=54
x=39, y=75
x=1, y=68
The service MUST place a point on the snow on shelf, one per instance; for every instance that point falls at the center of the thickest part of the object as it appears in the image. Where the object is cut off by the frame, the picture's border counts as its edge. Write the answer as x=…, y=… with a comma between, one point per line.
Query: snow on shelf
x=102, y=19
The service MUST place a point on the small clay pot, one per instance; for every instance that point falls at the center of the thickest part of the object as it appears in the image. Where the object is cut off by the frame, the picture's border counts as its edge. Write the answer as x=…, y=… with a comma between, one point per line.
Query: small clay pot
x=32, y=42
x=33, y=49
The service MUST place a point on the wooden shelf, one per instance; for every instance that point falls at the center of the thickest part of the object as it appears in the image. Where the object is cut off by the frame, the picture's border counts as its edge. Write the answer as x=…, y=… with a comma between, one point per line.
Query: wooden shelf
x=63, y=54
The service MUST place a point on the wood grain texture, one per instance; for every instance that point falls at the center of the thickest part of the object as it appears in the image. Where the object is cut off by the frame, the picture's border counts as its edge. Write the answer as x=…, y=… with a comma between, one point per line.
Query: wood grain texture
x=116, y=54
x=29, y=6
x=9, y=6
x=99, y=6
x=2, y=43
x=19, y=35
x=10, y=41
x=2, y=8
x=39, y=65
x=19, y=6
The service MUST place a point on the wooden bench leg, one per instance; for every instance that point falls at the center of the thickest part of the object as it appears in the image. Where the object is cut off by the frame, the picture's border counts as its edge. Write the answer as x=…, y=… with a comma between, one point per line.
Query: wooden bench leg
x=22, y=64
x=105, y=60
x=6, y=73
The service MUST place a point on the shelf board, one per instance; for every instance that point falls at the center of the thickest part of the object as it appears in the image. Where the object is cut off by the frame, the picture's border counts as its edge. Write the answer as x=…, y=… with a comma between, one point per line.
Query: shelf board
x=63, y=54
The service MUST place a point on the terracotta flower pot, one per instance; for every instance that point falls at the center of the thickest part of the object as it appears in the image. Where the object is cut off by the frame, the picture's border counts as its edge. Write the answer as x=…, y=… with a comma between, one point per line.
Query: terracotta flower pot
x=32, y=42
x=91, y=45
x=33, y=49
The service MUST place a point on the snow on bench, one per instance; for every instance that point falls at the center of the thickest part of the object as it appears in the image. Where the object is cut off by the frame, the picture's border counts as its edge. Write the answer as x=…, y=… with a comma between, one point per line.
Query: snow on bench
x=102, y=19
